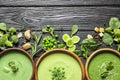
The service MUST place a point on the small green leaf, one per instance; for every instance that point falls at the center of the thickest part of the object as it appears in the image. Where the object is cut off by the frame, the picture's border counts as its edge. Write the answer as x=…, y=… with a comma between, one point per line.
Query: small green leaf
x=3, y=26
x=114, y=22
x=118, y=47
x=104, y=74
x=107, y=39
x=74, y=29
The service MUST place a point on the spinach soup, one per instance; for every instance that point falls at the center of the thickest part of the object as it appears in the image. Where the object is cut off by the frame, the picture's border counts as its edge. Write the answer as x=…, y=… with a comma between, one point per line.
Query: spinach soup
x=105, y=66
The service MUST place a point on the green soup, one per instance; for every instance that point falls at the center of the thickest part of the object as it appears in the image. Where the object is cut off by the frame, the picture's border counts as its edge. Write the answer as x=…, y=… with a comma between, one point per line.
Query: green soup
x=21, y=62
x=105, y=66
x=71, y=66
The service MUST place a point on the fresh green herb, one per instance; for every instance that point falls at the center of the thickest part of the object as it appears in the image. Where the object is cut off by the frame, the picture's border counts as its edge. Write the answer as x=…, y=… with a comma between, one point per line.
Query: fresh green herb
x=74, y=29
x=104, y=74
x=15, y=39
x=88, y=44
x=57, y=73
x=109, y=30
x=12, y=30
x=13, y=66
x=108, y=67
x=44, y=30
x=118, y=47
x=61, y=46
x=3, y=27
x=48, y=30
x=78, y=52
x=114, y=30
x=107, y=39
x=49, y=43
x=114, y=23
x=35, y=46
x=116, y=35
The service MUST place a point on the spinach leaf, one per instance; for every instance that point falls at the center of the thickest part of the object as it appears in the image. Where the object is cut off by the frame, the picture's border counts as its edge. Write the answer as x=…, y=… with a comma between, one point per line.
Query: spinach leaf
x=114, y=22
x=88, y=44
x=74, y=29
x=107, y=39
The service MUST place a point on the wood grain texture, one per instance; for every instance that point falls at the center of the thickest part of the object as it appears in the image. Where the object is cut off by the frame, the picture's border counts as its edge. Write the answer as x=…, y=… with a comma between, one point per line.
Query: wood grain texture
x=36, y=18
x=57, y=2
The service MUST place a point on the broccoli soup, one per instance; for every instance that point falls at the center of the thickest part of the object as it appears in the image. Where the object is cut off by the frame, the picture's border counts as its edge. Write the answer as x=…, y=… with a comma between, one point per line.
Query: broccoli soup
x=15, y=65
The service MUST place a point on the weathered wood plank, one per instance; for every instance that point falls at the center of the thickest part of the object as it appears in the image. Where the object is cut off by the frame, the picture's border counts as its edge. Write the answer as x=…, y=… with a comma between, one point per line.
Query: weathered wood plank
x=36, y=18
x=57, y=2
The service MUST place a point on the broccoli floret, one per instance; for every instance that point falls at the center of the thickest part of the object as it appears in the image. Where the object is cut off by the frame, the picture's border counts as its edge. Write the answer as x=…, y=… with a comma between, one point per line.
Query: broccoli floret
x=1, y=33
x=15, y=39
x=8, y=43
x=3, y=40
x=3, y=26
x=12, y=30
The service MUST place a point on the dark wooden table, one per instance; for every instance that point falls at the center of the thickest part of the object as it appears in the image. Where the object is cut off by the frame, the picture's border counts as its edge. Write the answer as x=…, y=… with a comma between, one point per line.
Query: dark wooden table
x=36, y=14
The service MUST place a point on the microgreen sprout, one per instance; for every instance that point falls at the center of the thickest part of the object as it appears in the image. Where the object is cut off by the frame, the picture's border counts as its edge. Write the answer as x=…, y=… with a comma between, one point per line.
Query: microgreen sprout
x=58, y=73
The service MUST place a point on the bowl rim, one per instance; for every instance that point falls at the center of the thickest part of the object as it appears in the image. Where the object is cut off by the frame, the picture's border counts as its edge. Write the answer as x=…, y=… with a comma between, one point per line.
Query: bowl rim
x=95, y=53
x=64, y=51
x=24, y=52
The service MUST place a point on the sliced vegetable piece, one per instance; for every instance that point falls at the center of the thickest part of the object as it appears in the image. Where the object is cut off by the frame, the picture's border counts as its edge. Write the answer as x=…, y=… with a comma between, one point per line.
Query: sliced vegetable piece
x=70, y=43
x=75, y=39
x=72, y=48
x=65, y=37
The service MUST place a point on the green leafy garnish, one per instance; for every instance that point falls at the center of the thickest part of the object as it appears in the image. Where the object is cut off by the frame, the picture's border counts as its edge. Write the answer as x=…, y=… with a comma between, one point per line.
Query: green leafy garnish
x=104, y=74
x=13, y=66
x=107, y=69
x=107, y=39
x=114, y=23
x=74, y=29
x=57, y=73
x=114, y=30
x=88, y=44
x=118, y=47
x=109, y=66
x=35, y=48
x=78, y=52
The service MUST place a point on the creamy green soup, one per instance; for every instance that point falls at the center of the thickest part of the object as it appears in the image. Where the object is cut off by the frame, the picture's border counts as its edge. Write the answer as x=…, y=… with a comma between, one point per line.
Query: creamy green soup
x=15, y=60
x=71, y=67
x=105, y=66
